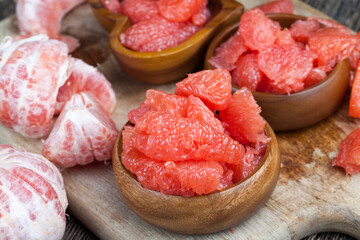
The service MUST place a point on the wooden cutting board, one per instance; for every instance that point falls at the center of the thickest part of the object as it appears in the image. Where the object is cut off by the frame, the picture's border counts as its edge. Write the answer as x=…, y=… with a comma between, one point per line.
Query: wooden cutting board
x=311, y=196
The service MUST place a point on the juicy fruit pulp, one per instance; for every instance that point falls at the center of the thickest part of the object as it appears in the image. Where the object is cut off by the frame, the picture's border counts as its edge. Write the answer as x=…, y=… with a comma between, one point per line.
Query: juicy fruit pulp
x=247, y=72
x=159, y=25
x=264, y=57
x=32, y=196
x=31, y=72
x=226, y=55
x=85, y=78
x=179, y=146
x=112, y=5
x=279, y=6
x=257, y=30
x=286, y=67
x=331, y=45
x=163, y=136
x=354, y=108
x=44, y=17
x=139, y=10
x=242, y=118
x=212, y=87
x=83, y=132
x=349, y=155
x=157, y=34
x=179, y=10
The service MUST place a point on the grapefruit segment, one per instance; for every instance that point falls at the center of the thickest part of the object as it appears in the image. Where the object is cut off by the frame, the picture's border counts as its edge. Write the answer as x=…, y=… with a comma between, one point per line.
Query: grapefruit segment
x=180, y=178
x=228, y=52
x=247, y=72
x=258, y=31
x=242, y=118
x=213, y=87
x=162, y=102
x=354, y=106
x=286, y=67
x=199, y=111
x=139, y=10
x=302, y=30
x=349, y=155
x=179, y=10
x=187, y=139
x=279, y=6
x=332, y=45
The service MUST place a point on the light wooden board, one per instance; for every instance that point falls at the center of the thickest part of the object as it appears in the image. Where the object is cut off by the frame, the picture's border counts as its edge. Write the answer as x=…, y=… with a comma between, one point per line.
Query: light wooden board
x=311, y=196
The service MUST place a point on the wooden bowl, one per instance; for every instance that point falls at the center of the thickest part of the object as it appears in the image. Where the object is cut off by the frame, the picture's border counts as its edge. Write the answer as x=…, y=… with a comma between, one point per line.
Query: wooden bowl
x=201, y=214
x=174, y=63
x=301, y=109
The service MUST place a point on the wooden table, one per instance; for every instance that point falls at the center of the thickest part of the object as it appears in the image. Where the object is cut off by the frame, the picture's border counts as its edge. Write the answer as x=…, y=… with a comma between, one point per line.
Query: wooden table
x=306, y=179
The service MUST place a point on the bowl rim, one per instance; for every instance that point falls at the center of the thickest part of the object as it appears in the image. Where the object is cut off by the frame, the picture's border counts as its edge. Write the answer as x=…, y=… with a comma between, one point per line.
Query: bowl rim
x=304, y=91
x=273, y=142
x=196, y=38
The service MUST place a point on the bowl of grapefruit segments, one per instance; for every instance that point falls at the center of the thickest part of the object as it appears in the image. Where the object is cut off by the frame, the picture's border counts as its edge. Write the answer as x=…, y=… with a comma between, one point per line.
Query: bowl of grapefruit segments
x=290, y=110
x=185, y=167
x=161, y=66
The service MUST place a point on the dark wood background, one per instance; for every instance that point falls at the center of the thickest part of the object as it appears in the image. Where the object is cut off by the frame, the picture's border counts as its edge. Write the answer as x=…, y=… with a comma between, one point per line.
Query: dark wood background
x=346, y=12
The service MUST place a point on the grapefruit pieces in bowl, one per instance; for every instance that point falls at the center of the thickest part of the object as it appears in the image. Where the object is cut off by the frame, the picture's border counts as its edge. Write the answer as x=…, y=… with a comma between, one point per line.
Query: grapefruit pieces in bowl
x=291, y=111
x=206, y=213
x=171, y=64
x=178, y=166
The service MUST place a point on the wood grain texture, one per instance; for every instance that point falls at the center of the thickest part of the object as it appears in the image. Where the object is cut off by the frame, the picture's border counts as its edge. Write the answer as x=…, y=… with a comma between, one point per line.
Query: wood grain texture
x=311, y=196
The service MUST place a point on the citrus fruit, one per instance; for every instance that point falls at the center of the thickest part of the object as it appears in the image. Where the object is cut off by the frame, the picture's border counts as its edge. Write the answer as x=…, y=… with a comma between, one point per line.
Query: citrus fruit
x=181, y=178
x=354, y=106
x=162, y=102
x=279, y=6
x=156, y=34
x=86, y=78
x=199, y=111
x=139, y=10
x=251, y=160
x=349, y=155
x=228, y=52
x=264, y=85
x=242, y=118
x=315, y=76
x=302, y=30
x=33, y=184
x=355, y=55
x=112, y=5
x=286, y=67
x=247, y=73
x=258, y=31
x=285, y=39
x=213, y=87
x=179, y=10
x=167, y=103
x=31, y=72
x=166, y=137
x=331, y=45
x=227, y=179
x=201, y=17
x=43, y=17
x=329, y=23
x=84, y=132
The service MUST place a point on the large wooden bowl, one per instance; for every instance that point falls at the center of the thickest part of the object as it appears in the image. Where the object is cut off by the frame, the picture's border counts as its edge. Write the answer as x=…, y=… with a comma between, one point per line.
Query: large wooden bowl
x=301, y=109
x=174, y=63
x=201, y=214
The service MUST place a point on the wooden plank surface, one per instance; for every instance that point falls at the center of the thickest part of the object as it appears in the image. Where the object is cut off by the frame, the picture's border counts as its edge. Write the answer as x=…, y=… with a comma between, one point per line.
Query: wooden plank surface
x=311, y=196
